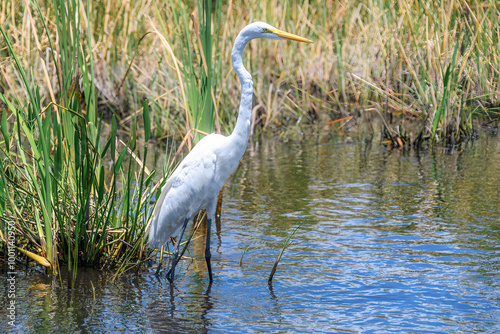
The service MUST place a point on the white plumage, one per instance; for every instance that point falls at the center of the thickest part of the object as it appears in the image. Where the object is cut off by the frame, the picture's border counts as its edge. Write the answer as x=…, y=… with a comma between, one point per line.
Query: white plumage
x=198, y=179
x=193, y=186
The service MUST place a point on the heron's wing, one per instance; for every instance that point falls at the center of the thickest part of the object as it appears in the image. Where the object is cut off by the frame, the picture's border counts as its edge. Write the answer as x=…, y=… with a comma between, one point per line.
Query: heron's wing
x=160, y=200
x=197, y=169
x=183, y=195
x=193, y=177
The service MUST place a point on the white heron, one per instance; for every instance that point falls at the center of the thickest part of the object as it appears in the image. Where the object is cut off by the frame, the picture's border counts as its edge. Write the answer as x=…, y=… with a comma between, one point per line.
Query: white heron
x=196, y=182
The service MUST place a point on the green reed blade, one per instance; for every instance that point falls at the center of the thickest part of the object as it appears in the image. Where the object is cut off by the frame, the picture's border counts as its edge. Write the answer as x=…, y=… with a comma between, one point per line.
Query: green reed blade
x=5, y=130
x=285, y=245
x=147, y=121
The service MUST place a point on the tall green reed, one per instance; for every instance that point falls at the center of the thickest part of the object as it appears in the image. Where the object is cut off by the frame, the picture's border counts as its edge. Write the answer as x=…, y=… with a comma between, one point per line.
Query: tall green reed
x=68, y=206
x=201, y=70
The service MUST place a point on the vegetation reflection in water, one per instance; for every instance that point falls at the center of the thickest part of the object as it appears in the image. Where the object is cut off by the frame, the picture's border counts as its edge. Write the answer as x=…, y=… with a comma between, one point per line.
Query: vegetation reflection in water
x=390, y=240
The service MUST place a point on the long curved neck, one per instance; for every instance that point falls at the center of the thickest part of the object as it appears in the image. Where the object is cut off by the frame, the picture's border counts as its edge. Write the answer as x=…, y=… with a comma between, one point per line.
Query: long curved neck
x=242, y=128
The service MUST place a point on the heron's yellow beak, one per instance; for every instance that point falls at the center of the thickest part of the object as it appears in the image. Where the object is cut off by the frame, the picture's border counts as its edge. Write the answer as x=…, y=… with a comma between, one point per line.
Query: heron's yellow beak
x=287, y=35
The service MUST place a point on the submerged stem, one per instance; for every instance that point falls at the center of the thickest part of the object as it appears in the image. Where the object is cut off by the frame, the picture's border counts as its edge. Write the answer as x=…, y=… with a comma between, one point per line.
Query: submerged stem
x=285, y=245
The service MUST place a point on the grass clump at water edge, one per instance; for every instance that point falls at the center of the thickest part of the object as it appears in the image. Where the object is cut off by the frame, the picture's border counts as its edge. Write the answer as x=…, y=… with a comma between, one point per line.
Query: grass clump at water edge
x=73, y=196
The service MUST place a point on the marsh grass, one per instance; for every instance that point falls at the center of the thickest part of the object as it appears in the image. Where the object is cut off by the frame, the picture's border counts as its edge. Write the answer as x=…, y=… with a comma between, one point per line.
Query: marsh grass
x=200, y=75
x=375, y=54
x=58, y=191
x=74, y=77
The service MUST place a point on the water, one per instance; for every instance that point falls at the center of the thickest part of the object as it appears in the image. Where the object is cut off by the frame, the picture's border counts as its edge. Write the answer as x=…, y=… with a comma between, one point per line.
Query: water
x=389, y=241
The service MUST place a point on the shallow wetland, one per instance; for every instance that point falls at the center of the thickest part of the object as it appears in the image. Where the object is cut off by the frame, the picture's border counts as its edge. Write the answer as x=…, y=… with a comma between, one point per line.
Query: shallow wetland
x=370, y=143
x=389, y=241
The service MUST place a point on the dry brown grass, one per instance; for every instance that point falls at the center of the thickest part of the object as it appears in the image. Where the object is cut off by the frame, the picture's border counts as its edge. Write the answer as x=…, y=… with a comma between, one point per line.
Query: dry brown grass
x=391, y=57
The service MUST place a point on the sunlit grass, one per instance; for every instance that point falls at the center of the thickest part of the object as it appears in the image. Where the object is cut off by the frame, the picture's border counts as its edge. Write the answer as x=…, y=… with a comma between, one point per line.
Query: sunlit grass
x=58, y=190
x=374, y=54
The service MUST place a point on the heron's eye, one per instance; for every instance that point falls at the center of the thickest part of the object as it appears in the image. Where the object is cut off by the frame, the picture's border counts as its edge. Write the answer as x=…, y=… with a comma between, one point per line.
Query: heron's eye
x=266, y=31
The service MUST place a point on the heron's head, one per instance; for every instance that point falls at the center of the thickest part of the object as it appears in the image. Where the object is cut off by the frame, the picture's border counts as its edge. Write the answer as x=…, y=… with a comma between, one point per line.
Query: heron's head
x=264, y=30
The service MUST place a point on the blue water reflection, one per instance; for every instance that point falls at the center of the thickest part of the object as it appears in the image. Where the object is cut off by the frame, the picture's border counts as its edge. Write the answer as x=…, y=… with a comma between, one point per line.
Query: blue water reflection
x=388, y=242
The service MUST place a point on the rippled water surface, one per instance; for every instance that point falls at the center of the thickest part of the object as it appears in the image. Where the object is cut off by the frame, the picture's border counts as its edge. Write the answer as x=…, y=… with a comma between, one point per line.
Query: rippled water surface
x=389, y=241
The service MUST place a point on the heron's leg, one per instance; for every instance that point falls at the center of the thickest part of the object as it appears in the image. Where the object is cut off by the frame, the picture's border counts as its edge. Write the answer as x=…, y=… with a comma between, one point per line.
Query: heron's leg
x=161, y=259
x=175, y=253
x=208, y=256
